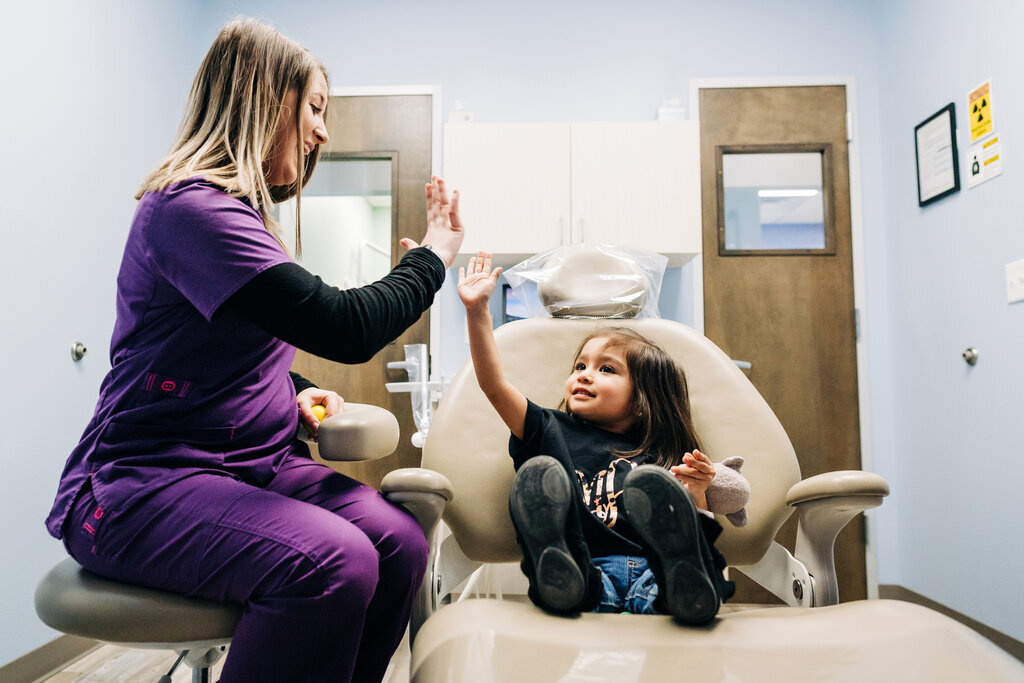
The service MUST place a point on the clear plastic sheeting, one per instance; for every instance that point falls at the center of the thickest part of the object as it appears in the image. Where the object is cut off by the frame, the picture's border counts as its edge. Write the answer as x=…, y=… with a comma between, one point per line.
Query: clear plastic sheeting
x=424, y=394
x=590, y=281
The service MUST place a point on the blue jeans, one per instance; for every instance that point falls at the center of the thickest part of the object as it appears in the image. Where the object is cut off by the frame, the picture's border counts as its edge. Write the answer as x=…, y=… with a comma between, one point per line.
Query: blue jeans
x=629, y=584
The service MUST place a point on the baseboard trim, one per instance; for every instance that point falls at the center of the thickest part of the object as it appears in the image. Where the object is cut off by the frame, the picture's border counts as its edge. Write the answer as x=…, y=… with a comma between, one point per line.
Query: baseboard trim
x=48, y=659
x=896, y=592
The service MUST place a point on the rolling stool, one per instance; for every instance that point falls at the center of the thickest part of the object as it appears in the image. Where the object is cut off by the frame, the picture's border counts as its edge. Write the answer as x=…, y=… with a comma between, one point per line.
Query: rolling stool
x=75, y=601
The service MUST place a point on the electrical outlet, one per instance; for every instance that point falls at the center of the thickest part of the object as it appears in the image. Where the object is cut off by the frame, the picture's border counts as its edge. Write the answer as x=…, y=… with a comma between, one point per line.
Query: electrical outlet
x=1015, y=281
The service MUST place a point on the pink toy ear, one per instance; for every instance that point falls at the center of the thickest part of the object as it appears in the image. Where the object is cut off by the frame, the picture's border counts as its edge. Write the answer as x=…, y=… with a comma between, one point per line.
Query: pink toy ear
x=738, y=518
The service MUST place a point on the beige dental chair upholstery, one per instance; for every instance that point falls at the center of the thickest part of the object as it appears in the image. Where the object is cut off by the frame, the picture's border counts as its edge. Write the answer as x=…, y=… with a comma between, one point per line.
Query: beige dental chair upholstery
x=73, y=600
x=813, y=639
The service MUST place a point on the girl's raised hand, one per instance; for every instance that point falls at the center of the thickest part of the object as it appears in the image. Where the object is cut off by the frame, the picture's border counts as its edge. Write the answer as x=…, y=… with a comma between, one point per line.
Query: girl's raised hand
x=477, y=281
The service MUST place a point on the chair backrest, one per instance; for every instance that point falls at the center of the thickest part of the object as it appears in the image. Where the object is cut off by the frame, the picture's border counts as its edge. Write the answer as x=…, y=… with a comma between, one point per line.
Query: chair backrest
x=469, y=443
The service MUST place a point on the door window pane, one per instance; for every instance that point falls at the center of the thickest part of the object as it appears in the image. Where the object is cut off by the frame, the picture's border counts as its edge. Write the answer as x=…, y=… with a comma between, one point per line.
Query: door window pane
x=773, y=201
x=346, y=221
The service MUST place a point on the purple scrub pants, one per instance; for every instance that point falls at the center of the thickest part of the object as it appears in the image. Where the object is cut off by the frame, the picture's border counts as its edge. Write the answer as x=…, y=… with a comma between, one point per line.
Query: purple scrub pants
x=326, y=569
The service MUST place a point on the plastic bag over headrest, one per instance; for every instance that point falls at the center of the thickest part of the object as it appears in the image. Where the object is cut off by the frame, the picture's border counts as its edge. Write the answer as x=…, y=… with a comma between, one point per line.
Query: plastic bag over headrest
x=590, y=281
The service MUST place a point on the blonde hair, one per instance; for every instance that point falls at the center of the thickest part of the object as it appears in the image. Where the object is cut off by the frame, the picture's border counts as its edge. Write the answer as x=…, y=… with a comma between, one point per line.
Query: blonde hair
x=232, y=115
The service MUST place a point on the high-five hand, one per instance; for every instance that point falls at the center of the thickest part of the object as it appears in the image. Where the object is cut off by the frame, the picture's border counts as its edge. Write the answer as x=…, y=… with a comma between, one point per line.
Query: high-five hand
x=444, y=225
x=477, y=281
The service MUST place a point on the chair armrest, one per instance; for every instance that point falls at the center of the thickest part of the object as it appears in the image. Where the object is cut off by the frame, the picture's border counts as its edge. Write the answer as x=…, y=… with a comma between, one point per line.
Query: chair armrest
x=360, y=432
x=825, y=504
x=839, y=483
x=417, y=479
x=424, y=493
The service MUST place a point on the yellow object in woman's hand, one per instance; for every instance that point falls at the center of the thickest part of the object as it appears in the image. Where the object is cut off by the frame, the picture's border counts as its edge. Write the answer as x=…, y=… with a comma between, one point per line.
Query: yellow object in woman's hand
x=320, y=410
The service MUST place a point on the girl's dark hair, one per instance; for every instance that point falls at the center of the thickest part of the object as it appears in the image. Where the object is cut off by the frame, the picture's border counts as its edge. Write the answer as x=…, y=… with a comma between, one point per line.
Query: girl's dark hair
x=661, y=401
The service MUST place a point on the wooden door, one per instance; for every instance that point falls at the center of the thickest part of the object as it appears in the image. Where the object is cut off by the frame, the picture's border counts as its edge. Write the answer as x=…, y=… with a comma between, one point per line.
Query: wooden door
x=398, y=128
x=788, y=309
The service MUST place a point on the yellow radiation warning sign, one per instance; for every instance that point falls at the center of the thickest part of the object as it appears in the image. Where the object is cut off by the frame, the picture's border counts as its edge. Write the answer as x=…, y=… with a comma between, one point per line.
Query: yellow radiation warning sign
x=979, y=110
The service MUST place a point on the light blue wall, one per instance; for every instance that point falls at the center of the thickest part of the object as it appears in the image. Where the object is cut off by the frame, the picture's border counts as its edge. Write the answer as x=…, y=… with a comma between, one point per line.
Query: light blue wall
x=97, y=88
x=958, y=432
x=92, y=93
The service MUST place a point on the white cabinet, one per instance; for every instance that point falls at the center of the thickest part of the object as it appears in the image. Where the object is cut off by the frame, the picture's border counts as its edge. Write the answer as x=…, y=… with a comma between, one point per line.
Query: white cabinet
x=526, y=188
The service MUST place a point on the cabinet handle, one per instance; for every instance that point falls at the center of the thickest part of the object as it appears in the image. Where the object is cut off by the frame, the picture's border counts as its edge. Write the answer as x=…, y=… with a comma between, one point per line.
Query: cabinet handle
x=583, y=236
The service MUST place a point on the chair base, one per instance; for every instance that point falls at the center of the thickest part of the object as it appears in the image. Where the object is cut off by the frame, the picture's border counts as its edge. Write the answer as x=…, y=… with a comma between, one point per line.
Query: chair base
x=200, y=660
x=866, y=640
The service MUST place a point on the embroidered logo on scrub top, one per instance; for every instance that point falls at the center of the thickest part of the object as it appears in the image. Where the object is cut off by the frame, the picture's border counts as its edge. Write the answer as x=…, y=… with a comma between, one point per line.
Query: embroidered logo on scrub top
x=168, y=386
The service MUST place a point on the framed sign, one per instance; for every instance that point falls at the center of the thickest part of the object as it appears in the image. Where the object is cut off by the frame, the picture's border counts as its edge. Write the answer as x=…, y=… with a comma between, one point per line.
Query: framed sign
x=938, y=171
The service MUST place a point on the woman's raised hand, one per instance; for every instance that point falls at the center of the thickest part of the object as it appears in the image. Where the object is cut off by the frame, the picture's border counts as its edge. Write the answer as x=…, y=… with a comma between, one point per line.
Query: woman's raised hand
x=444, y=225
x=477, y=281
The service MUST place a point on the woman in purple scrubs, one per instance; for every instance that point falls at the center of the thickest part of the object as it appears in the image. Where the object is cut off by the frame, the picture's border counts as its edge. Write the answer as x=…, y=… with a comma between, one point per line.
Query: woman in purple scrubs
x=189, y=477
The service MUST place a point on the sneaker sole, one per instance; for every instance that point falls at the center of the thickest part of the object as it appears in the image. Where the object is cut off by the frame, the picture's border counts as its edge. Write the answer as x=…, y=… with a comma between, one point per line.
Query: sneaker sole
x=666, y=519
x=540, y=505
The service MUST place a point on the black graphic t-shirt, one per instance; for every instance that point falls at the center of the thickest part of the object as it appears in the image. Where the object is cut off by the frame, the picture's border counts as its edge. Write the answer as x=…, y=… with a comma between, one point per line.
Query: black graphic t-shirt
x=590, y=452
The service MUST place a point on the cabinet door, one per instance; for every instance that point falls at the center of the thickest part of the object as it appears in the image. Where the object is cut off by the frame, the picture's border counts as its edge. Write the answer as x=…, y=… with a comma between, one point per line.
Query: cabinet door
x=638, y=184
x=513, y=182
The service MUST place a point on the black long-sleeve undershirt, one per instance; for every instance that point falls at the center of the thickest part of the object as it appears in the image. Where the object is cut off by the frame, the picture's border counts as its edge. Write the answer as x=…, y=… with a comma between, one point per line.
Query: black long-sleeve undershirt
x=347, y=326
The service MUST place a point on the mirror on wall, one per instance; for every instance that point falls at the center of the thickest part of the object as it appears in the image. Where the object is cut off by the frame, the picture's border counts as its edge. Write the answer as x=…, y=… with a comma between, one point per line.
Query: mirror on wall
x=773, y=201
x=346, y=220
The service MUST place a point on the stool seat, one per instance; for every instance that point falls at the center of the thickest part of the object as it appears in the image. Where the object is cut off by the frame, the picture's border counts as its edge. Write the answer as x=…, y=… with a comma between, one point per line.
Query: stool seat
x=73, y=600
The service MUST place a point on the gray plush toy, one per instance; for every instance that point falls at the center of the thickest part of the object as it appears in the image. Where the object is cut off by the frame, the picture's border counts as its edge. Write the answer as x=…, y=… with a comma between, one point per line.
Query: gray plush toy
x=729, y=491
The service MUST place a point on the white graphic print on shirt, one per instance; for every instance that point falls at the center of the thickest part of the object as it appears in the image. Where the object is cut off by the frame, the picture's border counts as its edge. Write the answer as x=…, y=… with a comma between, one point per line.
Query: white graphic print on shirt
x=601, y=493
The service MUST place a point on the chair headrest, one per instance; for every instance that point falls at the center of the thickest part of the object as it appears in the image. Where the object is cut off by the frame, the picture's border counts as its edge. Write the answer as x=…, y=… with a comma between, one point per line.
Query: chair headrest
x=593, y=281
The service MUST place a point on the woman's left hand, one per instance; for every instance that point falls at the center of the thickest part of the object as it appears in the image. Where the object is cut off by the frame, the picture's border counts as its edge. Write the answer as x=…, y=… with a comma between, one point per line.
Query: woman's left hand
x=311, y=396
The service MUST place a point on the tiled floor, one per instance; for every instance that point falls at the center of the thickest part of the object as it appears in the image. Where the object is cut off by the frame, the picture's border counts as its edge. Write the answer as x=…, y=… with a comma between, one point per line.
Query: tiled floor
x=115, y=664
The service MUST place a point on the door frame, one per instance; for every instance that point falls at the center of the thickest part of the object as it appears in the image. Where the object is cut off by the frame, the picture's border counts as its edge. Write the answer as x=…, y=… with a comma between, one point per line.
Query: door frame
x=857, y=237
x=435, y=169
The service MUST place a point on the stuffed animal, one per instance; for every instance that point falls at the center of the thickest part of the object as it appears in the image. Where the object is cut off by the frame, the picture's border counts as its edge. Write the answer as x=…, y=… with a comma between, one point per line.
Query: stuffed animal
x=729, y=491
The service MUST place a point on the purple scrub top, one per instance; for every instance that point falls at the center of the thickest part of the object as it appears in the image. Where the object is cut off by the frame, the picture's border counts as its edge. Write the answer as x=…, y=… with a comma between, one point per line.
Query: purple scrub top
x=191, y=389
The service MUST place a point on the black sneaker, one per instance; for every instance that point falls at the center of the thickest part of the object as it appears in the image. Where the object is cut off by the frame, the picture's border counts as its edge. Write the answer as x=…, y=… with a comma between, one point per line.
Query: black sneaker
x=662, y=512
x=539, y=503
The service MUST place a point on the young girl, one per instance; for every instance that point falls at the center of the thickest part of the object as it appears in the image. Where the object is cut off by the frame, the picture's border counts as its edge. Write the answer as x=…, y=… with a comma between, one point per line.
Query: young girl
x=609, y=500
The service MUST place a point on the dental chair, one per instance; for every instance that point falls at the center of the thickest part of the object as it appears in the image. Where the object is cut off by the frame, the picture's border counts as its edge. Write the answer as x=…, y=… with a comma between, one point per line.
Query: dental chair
x=75, y=601
x=812, y=638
